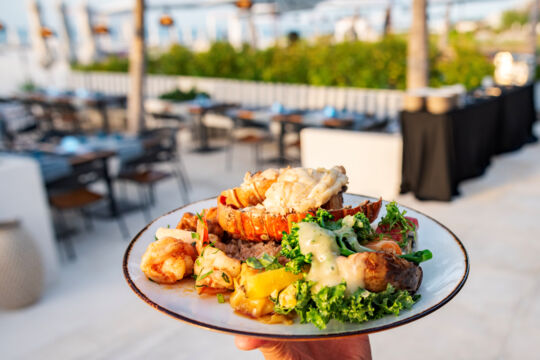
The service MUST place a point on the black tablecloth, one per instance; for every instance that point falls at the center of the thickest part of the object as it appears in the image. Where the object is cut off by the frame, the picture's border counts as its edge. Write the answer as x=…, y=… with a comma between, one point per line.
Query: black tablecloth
x=439, y=151
x=516, y=118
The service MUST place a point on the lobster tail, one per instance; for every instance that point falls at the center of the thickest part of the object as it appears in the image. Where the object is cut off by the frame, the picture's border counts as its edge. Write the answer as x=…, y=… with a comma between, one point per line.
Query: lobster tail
x=256, y=224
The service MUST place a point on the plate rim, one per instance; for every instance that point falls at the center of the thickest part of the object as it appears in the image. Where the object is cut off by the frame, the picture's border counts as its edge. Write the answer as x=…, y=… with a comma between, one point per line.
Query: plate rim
x=292, y=337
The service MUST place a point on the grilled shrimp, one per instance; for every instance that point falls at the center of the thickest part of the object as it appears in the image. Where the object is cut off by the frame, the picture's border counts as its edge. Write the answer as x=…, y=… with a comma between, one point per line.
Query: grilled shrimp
x=189, y=222
x=168, y=260
x=385, y=245
x=215, y=271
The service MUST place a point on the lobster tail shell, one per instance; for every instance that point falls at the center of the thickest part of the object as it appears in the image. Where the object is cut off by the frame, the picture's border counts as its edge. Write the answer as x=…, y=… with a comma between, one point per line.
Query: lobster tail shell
x=251, y=193
x=256, y=224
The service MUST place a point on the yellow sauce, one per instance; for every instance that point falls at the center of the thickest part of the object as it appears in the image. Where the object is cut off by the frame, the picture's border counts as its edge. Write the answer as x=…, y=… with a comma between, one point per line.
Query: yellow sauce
x=322, y=245
x=328, y=268
x=352, y=269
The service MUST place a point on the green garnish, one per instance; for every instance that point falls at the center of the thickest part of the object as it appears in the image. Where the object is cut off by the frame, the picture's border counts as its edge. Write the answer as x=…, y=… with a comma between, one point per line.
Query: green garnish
x=254, y=263
x=418, y=256
x=362, y=227
x=266, y=262
x=155, y=238
x=226, y=278
x=395, y=219
x=200, y=278
x=343, y=250
x=220, y=298
x=168, y=226
x=200, y=216
x=195, y=235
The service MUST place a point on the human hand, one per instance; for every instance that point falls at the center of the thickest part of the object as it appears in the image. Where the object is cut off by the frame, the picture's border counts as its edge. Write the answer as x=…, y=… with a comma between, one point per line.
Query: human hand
x=354, y=347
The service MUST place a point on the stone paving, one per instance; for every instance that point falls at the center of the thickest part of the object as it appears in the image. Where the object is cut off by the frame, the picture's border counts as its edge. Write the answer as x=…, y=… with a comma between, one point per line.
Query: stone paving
x=90, y=312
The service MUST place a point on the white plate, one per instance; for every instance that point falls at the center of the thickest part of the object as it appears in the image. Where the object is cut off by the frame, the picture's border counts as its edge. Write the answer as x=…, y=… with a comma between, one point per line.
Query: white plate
x=444, y=276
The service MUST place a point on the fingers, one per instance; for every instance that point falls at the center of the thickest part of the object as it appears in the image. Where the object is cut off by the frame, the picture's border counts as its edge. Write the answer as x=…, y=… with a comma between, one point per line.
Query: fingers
x=248, y=343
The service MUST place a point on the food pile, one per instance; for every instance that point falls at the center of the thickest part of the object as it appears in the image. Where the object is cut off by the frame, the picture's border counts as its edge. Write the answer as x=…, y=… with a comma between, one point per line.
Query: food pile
x=282, y=244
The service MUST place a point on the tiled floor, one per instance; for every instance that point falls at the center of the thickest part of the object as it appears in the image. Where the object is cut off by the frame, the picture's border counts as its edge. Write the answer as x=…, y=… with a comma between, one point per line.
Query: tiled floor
x=90, y=313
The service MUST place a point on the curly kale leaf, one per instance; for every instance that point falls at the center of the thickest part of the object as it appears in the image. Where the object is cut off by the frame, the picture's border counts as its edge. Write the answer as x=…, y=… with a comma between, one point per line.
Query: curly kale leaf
x=328, y=304
x=324, y=219
x=362, y=227
x=333, y=303
x=290, y=248
x=303, y=297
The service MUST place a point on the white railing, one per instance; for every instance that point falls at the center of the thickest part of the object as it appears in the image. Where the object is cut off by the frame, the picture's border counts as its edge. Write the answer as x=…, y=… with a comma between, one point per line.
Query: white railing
x=382, y=103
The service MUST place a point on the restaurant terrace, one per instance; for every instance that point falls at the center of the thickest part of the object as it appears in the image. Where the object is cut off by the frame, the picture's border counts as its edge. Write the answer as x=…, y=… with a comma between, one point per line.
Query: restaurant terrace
x=115, y=116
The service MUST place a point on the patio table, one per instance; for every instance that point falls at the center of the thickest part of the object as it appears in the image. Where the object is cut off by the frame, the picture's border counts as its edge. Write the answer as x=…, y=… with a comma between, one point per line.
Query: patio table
x=101, y=103
x=263, y=117
x=198, y=108
x=95, y=100
x=295, y=120
x=78, y=155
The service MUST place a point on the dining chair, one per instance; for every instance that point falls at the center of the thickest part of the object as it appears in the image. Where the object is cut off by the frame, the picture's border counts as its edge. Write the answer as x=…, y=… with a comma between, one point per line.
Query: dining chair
x=76, y=200
x=41, y=111
x=160, y=146
x=245, y=132
x=65, y=116
x=72, y=193
x=17, y=123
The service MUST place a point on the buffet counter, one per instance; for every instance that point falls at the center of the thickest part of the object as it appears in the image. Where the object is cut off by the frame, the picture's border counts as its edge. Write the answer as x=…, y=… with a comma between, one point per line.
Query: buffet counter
x=441, y=150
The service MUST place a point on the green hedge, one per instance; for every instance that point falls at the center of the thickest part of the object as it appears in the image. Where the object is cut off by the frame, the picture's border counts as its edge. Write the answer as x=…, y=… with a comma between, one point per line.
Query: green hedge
x=356, y=64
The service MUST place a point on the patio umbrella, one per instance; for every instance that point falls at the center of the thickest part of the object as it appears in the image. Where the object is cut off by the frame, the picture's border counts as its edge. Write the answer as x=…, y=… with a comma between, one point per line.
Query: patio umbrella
x=40, y=47
x=65, y=34
x=135, y=113
x=89, y=51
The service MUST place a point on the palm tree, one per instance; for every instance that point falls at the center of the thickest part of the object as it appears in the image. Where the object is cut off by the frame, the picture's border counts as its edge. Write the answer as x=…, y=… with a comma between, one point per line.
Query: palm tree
x=533, y=20
x=417, y=51
x=387, y=28
x=135, y=113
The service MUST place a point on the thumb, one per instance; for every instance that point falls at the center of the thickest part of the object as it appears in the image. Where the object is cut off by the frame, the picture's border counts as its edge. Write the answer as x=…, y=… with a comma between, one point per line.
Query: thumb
x=249, y=343
x=271, y=350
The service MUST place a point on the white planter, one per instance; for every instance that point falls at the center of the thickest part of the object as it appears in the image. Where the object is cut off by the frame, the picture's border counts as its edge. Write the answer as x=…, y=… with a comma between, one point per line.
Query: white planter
x=21, y=267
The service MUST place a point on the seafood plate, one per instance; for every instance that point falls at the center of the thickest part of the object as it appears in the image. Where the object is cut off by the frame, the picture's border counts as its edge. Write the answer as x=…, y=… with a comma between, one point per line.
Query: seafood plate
x=289, y=254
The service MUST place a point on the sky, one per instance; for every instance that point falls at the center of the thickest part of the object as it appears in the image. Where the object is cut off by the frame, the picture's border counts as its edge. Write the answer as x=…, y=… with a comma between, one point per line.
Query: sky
x=13, y=14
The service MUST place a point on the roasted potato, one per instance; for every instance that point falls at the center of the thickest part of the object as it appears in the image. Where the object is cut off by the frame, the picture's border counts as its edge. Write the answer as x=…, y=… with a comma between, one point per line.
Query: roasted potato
x=382, y=269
